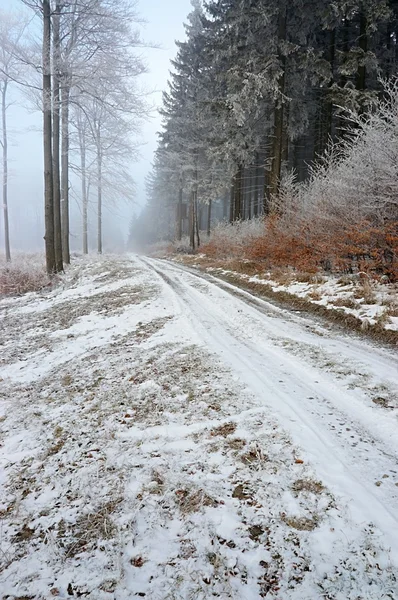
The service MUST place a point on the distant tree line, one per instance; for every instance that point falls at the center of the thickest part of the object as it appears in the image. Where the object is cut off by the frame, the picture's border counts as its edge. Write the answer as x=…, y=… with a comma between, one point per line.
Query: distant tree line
x=258, y=91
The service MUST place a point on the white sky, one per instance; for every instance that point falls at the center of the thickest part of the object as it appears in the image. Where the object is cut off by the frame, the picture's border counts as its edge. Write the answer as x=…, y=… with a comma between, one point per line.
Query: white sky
x=164, y=25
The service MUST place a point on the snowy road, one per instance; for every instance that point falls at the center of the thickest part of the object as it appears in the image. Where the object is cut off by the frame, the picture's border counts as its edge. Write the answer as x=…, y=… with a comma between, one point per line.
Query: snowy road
x=318, y=383
x=166, y=435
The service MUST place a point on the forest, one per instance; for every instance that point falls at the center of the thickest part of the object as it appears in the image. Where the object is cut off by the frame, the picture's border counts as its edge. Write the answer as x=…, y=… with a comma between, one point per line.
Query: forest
x=283, y=111
x=210, y=412
x=78, y=63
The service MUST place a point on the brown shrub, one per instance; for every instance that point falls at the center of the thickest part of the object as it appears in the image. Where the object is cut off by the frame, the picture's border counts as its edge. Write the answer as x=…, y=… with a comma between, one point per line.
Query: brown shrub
x=324, y=243
x=21, y=276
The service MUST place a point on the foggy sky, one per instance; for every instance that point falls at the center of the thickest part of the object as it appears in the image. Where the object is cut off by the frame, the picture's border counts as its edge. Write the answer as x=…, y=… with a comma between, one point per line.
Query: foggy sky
x=164, y=26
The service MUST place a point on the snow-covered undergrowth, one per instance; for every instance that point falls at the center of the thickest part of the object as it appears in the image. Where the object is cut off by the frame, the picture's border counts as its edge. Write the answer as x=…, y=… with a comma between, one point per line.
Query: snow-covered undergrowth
x=134, y=464
x=372, y=302
x=26, y=273
x=232, y=240
x=344, y=219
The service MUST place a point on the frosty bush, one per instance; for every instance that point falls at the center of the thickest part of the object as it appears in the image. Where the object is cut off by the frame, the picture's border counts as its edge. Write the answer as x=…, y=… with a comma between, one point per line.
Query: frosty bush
x=345, y=218
x=183, y=245
x=26, y=273
x=233, y=239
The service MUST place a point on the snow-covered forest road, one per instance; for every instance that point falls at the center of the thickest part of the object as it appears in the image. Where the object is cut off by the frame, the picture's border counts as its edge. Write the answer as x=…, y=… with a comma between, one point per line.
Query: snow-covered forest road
x=167, y=435
x=313, y=380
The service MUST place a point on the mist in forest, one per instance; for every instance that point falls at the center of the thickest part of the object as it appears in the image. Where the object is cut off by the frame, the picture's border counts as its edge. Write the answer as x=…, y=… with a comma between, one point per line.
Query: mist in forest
x=155, y=30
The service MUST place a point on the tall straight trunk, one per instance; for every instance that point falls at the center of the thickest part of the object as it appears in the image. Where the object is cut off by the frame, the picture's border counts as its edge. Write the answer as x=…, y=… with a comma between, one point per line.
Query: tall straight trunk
x=47, y=142
x=209, y=218
x=324, y=131
x=56, y=142
x=388, y=38
x=248, y=193
x=277, y=145
x=341, y=122
x=225, y=205
x=285, y=136
x=231, y=201
x=99, y=201
x=5, y=171
x=253, y=173
x=197, y=218
x=266, y=185
x=238, y=194
x=65, y=172
x=277, y=149
x=329, y=102
x=82, y=144
x=243, y=193
x=192, y=221
x=256, y=203
x=251, y=191
x=179, y=213
x=318, y=124
x=363, y=44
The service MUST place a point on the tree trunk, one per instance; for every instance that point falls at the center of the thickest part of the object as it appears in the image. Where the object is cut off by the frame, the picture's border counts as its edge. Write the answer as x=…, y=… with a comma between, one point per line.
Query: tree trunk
x=256, y=203
x=65, y=174
x=82, y=144
x=249, y=191
x=324, y=122
x=231, y=201
x=56, y=141
x=5, y=171
x=225, y=206
x=341, y=122
x=363, y=44
x=192, y=221
x=329, y=100
x=196, y=211
x=209, y=218
x=277, y=145
x=238, y=195
x=243, y=207
x=179, y=214
x=99, y=201
x=47, y=142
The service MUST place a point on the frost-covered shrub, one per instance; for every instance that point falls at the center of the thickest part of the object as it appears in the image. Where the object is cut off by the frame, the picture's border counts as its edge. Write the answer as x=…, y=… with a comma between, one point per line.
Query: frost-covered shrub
x=26, y=273
x=232, y=239
x=158, y=249
x=358, y=178
x=182, y=246
x=345, y=218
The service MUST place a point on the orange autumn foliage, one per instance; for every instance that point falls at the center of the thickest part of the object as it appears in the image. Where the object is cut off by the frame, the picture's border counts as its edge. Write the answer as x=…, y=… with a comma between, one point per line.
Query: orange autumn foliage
x=330, y=245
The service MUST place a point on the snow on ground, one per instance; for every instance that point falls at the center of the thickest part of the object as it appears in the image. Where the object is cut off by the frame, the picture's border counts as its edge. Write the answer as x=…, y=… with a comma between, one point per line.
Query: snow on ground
x=137, y=460
x=368, y=300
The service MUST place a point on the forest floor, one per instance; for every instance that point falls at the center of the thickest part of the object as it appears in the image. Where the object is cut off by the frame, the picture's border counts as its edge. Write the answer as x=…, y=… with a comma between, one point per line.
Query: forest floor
x=169, y=436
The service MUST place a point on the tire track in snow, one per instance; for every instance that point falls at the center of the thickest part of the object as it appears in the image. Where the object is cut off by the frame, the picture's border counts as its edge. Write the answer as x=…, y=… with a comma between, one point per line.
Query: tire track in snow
x=350, y=451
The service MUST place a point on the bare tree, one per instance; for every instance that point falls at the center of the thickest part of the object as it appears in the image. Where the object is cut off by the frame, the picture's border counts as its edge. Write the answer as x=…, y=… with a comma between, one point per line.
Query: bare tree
x=81, y=126
x=4, y=144
x=12, y=28
x=47, y=141
x=88, y=62
x=51, y=223
x=56, y=131
x=99, y=66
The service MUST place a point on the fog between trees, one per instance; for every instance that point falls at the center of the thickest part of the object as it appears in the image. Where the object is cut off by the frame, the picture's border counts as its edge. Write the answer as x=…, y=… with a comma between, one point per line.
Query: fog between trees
x=279, y=110
x=79, y=62
x=284, y=110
